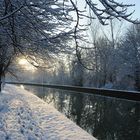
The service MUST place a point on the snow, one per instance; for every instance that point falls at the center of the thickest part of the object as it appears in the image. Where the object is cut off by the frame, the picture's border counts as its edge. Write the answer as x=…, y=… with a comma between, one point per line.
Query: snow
x=108, y=85
x=23, y=116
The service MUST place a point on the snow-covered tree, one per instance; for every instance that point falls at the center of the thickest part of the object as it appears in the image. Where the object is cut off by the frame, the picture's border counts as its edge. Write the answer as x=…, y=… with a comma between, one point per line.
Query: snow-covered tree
x=77, y=72
x=130, y=55
x=42, y=28
x=36, y=31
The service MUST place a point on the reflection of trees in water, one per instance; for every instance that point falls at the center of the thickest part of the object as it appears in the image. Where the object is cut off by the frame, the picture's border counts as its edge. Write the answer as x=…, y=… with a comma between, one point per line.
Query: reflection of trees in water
x=76, y=108
x=105, y=118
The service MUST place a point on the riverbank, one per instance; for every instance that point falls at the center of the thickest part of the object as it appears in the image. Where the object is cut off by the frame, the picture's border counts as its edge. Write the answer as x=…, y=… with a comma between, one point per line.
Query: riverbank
x=23, y=116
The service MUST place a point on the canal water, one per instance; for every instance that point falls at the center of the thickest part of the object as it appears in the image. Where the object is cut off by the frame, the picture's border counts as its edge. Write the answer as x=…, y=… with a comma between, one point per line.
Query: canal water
x=104, y=118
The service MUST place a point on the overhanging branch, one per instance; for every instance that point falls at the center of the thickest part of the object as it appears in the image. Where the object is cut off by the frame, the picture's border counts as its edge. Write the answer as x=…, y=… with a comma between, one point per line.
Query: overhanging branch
x=12, y=13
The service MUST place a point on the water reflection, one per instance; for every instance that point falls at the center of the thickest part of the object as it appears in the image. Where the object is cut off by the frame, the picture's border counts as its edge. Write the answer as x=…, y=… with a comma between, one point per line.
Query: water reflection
x=105, y=118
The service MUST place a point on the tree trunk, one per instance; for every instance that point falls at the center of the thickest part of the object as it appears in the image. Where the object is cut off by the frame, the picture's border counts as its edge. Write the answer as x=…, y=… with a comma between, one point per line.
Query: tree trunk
x=137, y=77
x=0, y=83
x=2, y=77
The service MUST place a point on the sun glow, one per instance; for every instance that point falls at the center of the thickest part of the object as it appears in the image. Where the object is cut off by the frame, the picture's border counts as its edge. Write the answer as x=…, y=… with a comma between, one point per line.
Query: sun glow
x=21, y=86
x=23, y=61
x=26, y=65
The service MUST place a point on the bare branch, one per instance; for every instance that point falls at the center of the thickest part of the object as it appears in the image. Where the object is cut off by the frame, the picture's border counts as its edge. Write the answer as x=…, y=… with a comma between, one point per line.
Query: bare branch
x=12, y=13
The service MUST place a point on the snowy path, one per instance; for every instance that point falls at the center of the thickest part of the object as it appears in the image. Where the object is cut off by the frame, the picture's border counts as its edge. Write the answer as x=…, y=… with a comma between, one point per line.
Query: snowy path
x=23, y=116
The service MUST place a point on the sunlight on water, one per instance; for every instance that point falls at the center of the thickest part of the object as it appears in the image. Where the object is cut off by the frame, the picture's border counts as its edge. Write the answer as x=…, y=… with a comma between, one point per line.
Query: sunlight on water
x=21, y=86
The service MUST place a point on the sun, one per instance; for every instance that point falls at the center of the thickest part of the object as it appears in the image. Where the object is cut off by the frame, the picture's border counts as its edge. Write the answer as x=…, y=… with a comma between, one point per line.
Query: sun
x=22, y=61
x=26, y=65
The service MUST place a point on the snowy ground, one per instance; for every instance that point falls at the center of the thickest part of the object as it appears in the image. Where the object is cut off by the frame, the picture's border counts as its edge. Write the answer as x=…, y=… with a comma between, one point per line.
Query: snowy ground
x=23, y=116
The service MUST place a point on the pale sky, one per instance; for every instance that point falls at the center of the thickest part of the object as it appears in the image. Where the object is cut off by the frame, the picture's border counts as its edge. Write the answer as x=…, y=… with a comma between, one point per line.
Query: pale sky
x=136, y=7
x=136, y=15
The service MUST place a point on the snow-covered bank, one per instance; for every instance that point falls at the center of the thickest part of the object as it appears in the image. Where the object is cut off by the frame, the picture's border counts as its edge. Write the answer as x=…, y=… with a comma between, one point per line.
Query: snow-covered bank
x=23, y=116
